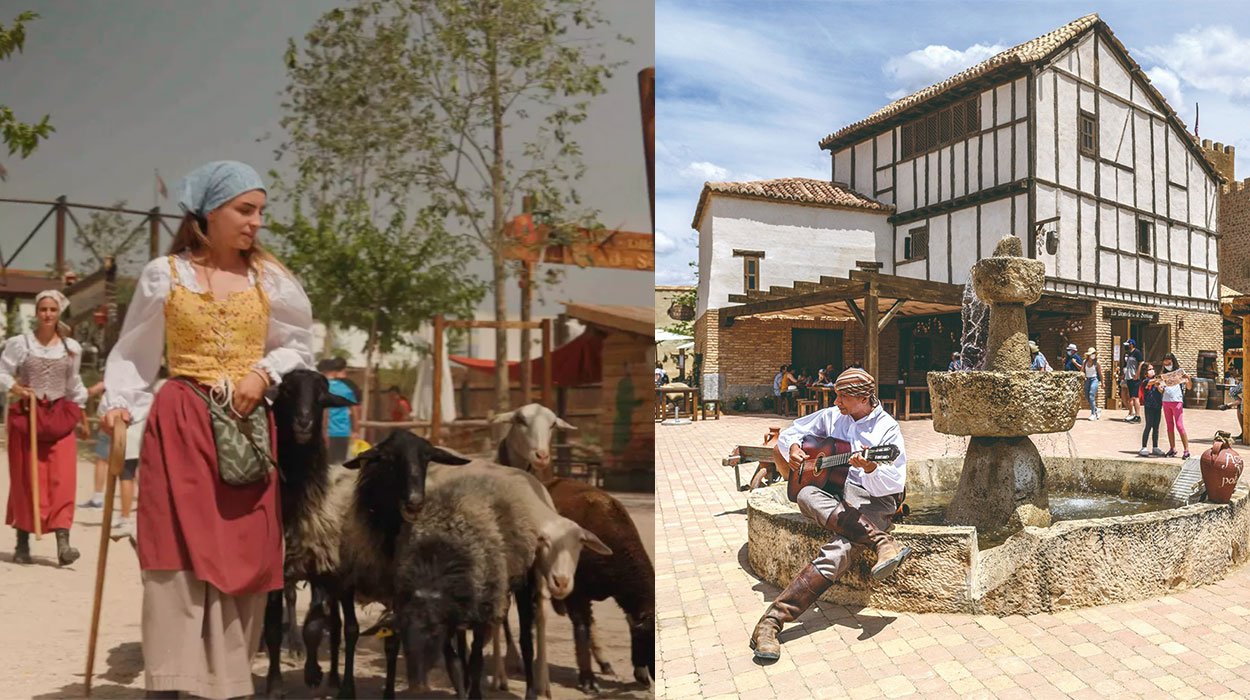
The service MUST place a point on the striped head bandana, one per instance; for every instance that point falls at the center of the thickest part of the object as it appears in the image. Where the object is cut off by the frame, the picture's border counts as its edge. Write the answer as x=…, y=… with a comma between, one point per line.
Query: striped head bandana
x=857, y=382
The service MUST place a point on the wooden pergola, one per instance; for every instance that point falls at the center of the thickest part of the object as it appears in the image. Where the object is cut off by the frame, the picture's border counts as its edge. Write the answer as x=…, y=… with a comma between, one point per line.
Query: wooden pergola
x=873, y=299
x=1237, y=309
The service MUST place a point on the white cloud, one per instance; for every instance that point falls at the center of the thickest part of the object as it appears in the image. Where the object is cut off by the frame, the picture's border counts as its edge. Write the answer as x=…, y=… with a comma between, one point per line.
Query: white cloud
x=664, y=243
x=1208, y=58
x=703, y=170
x=933, y=64
x=1167, y=82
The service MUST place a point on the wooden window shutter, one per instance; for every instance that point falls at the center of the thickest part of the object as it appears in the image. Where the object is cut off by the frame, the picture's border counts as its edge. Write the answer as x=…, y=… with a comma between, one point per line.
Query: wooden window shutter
x=958, y=123
x=907, y=135
x=972, y=113
x=944, y=127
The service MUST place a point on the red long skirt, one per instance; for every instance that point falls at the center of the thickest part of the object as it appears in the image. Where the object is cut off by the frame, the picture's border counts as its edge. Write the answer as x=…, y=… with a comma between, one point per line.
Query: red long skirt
x=58, y=478
x=191, y=520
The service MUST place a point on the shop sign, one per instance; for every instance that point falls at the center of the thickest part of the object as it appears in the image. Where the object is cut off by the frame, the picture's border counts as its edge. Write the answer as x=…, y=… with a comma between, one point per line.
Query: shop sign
x=1132, y=314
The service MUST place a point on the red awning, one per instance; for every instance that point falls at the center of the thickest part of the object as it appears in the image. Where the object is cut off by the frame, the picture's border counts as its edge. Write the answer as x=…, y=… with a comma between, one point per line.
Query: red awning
x=577, y=362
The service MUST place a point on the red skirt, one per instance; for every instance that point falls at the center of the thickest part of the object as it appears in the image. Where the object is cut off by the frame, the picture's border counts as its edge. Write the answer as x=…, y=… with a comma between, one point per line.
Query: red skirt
x=58, y=477
x=191, y=520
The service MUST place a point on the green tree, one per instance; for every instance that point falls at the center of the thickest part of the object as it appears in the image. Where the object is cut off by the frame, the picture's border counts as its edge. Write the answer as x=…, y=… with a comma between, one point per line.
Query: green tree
x=20, y=138
x=469, y=104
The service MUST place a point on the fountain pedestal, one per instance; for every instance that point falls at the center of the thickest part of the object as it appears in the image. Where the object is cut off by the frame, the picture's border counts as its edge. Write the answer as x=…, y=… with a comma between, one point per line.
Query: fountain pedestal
x=1000, y=407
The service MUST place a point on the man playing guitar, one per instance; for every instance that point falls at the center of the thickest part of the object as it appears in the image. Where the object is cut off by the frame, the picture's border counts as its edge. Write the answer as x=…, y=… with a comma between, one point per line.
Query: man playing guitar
x=859, y=514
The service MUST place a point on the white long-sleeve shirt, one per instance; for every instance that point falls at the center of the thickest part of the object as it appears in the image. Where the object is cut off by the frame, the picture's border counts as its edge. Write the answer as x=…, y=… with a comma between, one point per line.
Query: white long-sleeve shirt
x=20, y=347
x=875, y=429
x=136, y=358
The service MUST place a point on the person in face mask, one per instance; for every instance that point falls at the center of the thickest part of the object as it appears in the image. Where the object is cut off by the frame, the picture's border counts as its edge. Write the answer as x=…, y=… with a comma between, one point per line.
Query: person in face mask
x=1093, y=372
x=1174, y=407
x=1152, y=401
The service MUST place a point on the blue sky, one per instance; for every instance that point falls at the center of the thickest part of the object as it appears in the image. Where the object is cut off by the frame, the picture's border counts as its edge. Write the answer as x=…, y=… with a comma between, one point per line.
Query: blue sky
x=745, y=90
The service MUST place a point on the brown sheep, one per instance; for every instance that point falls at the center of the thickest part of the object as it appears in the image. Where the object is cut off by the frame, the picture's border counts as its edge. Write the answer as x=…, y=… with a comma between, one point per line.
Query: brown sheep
x=627, y=576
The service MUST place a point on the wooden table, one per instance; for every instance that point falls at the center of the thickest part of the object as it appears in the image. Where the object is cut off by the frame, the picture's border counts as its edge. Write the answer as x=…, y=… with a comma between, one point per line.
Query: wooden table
x=760, y=455
x=907, y=393
x=826, y=395
x=689, y=401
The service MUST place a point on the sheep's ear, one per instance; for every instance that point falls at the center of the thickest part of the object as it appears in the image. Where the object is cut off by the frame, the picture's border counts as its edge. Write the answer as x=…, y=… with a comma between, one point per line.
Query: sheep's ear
x=564, y=425
x=370, y=455
x=503, y=417
x=336, y=401
x=592, y=542
x=444, y=457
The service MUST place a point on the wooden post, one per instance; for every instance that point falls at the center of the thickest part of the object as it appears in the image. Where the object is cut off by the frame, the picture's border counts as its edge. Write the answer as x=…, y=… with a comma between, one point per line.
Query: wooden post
x=154, y=233
x=436, y=413
x=61, y=210
x=872, y=333
x=547, y=394
x=646, y=96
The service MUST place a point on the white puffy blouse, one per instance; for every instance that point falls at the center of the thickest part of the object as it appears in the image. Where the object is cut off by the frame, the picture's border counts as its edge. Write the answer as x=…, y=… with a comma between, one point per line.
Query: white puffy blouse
x=21, y=347
x=135, y=360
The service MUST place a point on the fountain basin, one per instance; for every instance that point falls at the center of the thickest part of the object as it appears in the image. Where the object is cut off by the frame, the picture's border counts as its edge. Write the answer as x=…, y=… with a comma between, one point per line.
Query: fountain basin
x=1072, y=564
x=1005, y=404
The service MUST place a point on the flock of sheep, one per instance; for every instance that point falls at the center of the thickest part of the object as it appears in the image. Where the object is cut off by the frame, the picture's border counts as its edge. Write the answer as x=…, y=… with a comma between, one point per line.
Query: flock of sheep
x=448, y=544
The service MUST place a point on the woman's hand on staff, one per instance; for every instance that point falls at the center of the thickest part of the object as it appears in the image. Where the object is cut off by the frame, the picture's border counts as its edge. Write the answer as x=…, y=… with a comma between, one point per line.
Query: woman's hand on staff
x=23, y=393
x=248, y=392
x=113, y=415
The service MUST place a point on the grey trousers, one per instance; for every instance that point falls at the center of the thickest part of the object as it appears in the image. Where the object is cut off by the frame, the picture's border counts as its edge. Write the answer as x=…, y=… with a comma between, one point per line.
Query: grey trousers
x=835, y=556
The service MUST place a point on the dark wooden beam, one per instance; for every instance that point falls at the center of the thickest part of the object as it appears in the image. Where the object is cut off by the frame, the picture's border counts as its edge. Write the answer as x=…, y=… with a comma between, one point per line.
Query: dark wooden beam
x=979, y=197
x=885, y=320
x=797, y=301
x=872, y=331
x=859, y=315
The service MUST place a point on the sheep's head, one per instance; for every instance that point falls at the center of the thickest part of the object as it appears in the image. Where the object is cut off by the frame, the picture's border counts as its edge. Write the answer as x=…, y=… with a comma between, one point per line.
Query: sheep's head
x=530, y=435
x=392, y=474
x=298, y=403
x=560, y=543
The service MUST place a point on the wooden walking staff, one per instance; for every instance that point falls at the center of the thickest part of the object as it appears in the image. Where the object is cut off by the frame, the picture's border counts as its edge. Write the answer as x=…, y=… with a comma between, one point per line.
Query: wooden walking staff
x=117, y=457
x=34, y=465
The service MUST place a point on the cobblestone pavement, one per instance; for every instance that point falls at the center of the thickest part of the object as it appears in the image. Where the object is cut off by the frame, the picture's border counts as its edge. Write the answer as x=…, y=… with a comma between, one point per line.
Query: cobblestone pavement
x=1194, y=643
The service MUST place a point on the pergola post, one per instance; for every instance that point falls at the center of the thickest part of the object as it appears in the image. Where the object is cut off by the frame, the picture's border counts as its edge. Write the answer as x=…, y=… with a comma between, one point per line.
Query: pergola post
x=872, y=331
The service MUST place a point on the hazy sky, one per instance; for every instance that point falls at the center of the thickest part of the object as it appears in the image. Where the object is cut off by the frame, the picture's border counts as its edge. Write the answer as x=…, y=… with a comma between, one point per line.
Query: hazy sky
x=747, y=89
x=134, y=86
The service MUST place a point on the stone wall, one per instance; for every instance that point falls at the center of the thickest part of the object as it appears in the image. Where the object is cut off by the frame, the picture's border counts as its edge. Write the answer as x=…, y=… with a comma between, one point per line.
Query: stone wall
x=1234, y=223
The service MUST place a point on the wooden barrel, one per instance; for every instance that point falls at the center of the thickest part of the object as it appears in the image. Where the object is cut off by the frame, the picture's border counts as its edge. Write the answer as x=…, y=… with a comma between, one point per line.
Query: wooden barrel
x=1196, y=397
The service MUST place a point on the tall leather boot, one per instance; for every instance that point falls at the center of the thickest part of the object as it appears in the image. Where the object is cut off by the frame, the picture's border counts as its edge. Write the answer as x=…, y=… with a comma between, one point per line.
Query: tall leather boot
x=857, y=528
x=65, y=554
x=21, y=554
x=790, y=603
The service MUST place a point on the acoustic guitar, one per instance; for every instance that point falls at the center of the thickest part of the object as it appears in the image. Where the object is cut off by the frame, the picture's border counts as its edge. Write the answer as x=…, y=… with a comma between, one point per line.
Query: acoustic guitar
x=829, y=462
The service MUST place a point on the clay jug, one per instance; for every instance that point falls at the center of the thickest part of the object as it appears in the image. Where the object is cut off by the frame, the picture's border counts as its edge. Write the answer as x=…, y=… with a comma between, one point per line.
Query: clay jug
x=771, y=438
x=1221, y=467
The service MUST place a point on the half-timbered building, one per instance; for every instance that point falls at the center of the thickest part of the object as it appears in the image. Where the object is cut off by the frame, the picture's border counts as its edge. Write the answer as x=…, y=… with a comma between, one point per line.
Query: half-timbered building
x=1061, y=141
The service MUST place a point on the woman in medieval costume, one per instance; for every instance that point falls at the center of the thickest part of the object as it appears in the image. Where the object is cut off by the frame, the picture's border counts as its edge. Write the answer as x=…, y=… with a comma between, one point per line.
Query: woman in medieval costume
x=232, y=320
x=44, y=364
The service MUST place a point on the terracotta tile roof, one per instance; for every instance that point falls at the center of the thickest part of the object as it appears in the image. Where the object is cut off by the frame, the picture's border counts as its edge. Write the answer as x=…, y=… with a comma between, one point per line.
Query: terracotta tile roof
x=792, y=189
x=1030, y=51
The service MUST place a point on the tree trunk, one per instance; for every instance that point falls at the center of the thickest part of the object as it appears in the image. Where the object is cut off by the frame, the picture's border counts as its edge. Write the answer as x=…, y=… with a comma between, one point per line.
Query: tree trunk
x=370, y=345
x=497, y=228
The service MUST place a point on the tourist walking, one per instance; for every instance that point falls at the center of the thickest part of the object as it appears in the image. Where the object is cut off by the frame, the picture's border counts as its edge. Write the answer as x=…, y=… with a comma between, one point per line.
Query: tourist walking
x=857, y=515
x=1093, y=371
x=232, y=321
x=1174, y=388
x=43, y=364
x=342, y=422
x=1071, y=360
x=956, y=364
x=1039, y=360
x=1132, y=379
x=1152, y=402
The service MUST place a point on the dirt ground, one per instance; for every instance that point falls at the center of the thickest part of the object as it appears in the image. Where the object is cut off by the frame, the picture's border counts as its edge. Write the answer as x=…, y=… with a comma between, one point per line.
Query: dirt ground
x=45, y=612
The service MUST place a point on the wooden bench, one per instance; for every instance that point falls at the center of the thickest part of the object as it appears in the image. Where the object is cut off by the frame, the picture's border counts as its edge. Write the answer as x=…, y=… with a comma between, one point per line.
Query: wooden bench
x=709, y=404
x=807, y=406
x=748, y=454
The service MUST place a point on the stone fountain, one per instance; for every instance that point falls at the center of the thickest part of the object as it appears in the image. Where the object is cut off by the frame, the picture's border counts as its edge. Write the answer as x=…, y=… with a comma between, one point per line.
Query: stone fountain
x=1002, y=405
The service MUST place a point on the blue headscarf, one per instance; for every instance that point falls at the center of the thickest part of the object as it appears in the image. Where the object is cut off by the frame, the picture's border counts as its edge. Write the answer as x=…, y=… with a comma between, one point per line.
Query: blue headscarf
x=213, y=184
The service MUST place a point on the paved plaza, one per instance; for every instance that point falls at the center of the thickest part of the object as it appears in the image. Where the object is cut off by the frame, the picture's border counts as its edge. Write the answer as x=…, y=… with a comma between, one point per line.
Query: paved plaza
x=1194, y=643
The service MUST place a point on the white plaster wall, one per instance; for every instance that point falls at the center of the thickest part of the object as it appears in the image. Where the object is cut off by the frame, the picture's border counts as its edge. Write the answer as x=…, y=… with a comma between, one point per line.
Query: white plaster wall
x=1021, y=138
x=1003, y=137
x=939, y=240
x=863, y=168
x=1085, y=58
x=995, y=223
x=1021, y=90
x=885, y=149
x=1066, y=93
x=959, y=152
x=1113, y=131
x=1002, y=114
x=932, y=175
x=1089, y=239
x=842, y=166
x=964, y=235
x=1111, y=73
x=800, y=243
x=1143, y=168
x=903, y=188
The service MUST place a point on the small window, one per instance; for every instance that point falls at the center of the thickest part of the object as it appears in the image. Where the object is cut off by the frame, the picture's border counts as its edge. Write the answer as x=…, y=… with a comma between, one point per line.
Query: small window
x=1088, y=135
x=1145, y=235
x=916, y=244
x=751, y=274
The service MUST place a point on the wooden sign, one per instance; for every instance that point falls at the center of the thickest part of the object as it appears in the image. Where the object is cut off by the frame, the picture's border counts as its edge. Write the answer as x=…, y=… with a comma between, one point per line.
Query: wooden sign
x=1133, y=314
x=623, y=250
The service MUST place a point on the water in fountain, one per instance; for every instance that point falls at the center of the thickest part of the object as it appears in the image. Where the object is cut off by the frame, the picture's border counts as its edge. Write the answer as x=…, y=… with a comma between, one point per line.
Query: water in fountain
x=976, y=328
x=1084, y=478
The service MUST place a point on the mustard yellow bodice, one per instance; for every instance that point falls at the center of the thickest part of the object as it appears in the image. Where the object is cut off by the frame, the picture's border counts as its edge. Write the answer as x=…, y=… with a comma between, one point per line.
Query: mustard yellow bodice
x=207, y=339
